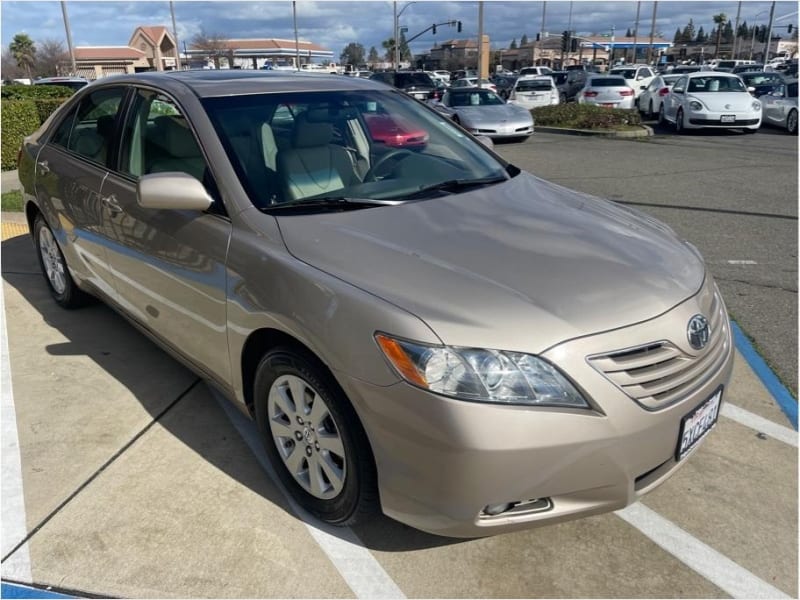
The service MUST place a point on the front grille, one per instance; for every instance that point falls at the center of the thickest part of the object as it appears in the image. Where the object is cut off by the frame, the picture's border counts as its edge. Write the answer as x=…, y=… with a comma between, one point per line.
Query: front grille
x=658, y=374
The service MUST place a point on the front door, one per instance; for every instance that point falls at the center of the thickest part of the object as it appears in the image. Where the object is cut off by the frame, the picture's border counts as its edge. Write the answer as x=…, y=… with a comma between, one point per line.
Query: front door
x=169, y=265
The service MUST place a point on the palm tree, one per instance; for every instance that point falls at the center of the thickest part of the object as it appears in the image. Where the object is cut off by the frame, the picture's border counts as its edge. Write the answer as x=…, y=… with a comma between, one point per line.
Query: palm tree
x=719, y=21
x=24, y=52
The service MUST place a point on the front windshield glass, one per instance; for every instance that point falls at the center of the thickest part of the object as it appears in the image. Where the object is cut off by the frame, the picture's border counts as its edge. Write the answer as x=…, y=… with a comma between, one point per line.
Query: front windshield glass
x=712, y=83
x=367, y=144
x=473, y=97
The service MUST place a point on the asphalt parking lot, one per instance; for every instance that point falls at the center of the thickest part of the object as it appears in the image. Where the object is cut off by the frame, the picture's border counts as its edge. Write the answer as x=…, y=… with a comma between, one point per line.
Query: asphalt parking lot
x=133, y=479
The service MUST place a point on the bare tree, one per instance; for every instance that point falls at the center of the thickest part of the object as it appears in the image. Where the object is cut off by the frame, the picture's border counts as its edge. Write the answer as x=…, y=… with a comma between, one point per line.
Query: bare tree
x=50, y=55
x=213, y=45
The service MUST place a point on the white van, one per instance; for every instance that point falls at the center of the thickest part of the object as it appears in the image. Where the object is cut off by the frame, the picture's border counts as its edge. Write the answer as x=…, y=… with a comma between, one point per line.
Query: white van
x=728, y=65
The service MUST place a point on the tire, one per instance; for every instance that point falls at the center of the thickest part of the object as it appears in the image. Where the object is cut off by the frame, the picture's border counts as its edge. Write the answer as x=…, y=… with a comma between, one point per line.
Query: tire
x=791, y=122
x=317, y=446
x=54, y=267
x=679, y=122
x=661, y=120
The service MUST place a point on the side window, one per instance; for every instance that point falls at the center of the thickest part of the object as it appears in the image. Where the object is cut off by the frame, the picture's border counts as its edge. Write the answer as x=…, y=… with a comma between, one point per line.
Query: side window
x=158, y=139
x=680, y=86
x=646, y=73
x=89, y=131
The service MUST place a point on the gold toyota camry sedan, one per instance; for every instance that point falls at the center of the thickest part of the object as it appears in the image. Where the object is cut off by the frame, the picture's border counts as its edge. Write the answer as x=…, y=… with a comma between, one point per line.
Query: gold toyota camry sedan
x=424, y=330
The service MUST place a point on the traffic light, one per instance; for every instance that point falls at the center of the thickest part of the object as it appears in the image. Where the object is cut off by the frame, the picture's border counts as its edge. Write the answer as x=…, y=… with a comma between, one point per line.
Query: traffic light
x=434, y=30
x=458, y=27
x=573, y=45
x=564, y=41
x=538, y=37
x=789, y=29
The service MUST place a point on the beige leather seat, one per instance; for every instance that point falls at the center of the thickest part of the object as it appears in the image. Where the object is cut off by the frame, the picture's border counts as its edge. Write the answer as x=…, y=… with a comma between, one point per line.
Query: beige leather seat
x=313, y=166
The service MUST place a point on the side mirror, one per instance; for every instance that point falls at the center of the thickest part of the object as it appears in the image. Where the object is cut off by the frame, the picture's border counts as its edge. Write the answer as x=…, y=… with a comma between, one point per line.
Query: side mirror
x=751, y=89
x=172, y=191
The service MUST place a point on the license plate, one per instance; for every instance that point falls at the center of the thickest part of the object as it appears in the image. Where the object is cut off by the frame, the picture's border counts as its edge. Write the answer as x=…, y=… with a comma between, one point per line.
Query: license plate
x=728, y=118
x=608, y=104
x=696, y=425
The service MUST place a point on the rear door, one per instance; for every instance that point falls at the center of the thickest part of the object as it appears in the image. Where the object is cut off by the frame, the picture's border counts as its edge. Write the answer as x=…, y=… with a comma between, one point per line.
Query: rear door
x=70, y=172
x=169, y=265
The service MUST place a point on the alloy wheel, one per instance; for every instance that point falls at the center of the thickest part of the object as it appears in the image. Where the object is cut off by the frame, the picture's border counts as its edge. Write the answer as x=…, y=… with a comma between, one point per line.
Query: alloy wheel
x=791, y=122
x=52, y=260
x=306, y=436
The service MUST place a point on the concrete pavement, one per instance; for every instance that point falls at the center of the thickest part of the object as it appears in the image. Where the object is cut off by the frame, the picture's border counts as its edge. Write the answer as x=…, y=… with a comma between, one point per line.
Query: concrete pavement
x=138, y=483
x=9, y=180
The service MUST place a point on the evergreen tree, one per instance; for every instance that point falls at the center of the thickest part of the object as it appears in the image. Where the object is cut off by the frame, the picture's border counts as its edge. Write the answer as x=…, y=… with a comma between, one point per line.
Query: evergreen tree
x=513, y=44
x=689, y=33
x=373, y=57
x=701, y=36
x=727, y=33
x=629, y=33
x=523, y=40
x=678, y=36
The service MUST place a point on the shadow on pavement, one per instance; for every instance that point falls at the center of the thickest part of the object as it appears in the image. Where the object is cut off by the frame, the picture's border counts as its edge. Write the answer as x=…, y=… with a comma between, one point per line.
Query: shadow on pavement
x=128, y=356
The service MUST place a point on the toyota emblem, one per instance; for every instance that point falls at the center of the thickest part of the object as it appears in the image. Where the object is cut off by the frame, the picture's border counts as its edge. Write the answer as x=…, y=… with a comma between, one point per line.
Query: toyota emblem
x=698, y=332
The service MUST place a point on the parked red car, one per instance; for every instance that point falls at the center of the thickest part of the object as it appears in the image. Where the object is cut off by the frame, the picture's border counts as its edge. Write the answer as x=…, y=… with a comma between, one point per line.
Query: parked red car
x=394, y=131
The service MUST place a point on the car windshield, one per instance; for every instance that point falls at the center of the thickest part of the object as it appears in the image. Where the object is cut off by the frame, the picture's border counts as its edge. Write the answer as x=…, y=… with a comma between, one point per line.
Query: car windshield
x=607, y=82
x=409, y=79
x=370, y=145
x=560, y=78
x=761, y=78
x=712, y=83
x=474, y=97
x=533, y=84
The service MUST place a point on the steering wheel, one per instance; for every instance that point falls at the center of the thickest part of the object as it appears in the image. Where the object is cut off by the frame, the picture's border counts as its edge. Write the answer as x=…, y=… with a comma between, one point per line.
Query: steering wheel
x=396, y=154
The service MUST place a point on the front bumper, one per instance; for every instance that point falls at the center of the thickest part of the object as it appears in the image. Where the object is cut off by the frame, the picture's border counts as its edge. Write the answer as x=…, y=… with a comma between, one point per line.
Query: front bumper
x=703, y=119
x=442, y=461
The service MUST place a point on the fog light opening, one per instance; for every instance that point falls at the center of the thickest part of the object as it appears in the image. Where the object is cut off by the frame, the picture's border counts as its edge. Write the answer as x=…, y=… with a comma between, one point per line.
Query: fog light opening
x=520, y=507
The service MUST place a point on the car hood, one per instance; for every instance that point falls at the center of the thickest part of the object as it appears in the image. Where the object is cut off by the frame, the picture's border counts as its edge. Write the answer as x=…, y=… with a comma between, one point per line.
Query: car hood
x=721, y=101
x=520, y=265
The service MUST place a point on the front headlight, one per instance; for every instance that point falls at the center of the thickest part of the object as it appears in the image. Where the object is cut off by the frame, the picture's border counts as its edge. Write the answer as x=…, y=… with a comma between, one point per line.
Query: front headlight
x=480, y=375
x=756, y=105
x=695, y=105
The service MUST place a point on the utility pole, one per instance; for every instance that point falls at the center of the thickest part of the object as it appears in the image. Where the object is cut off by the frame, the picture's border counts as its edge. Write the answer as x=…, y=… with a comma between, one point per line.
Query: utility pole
x=175, y=36
x=652, y=32
x=541, y=36
x=636, y=29
x=69, y=37
x=769, y=33
x=569, y=28
x=396, y=53
x=480, y=42
x=736, y=30
x=296, y=40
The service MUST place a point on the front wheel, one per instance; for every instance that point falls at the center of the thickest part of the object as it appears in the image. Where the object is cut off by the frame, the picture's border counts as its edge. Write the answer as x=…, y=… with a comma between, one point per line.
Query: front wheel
x=791, y=123
x=54, y=267
x=313, y=438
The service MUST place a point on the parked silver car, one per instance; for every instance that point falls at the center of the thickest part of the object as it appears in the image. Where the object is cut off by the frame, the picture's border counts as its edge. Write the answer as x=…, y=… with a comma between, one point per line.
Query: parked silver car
x=650, y=100
x=780, y=106
x=606, y=90
x=431, y=331
x=482, y=112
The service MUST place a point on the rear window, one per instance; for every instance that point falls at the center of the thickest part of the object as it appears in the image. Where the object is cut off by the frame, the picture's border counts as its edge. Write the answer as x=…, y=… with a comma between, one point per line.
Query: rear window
x=607, y=82
x=534, y=84
x=726, y=64
x=409, y=79
x=626, y=73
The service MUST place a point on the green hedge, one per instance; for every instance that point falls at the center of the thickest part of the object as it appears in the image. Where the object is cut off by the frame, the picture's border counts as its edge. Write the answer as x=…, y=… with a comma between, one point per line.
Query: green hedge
x=20, y=92
x=19, y=119
x=585, y=116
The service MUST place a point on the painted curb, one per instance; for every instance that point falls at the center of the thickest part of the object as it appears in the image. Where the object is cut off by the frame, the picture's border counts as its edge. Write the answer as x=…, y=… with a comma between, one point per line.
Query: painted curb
x=646, y=131
x=782, y=396
x=15, y=590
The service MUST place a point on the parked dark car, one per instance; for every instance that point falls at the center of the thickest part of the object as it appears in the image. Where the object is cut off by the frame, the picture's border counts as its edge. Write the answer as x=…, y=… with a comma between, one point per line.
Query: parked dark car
x=762, y=82
x=416, y=84
x=746, y=69
x=569, y=82
x=683, y=69
x=504, y=84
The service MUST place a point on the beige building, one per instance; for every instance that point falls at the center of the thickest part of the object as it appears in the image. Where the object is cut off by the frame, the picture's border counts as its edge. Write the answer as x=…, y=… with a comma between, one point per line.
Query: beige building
x=151, y=48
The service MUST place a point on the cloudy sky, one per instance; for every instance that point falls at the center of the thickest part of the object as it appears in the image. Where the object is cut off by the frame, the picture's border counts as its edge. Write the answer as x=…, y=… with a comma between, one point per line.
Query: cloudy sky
x=335, y=24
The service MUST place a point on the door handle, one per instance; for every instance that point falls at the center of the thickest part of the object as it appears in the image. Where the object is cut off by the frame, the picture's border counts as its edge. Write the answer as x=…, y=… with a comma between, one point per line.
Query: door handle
x=111, y=203
x=44, y=168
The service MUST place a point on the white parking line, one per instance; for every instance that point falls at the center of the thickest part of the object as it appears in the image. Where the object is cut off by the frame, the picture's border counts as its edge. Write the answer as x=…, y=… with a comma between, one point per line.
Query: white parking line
x=357, y=566
x=701, y=558
x=14, y=527
x=741, y=262
x=754, y=421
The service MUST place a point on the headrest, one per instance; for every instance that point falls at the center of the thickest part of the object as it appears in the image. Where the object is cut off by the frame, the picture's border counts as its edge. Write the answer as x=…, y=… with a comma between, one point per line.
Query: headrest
x=105, y=125
x=310, y=132
x=177, y=137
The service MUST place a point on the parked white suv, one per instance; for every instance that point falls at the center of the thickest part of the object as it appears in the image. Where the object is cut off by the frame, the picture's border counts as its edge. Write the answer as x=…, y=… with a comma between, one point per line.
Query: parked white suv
x=637, y=77
x=535, y=71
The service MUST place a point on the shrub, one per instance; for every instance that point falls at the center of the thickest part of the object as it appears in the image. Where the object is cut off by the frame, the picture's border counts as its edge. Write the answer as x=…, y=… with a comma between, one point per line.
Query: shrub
x=19, y=119
x=21, y=92
x=45, y=107
x=584, y=116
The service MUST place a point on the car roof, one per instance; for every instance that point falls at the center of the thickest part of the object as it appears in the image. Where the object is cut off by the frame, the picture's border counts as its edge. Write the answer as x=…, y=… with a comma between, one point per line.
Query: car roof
x=54, y=79
x=707, y=73
x=215, y=83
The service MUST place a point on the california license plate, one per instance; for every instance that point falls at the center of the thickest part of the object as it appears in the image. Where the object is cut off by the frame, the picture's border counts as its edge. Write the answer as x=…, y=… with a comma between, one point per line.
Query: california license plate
x=696, y=425
x=608, y=104
x=728, y=118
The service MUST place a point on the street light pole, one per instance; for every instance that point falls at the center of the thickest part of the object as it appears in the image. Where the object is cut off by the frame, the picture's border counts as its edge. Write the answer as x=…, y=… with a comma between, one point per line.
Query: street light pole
x=480, y=42
x=296, y=39
x=652, y=32
x=69, y=37
x=636, y=30
x=541, y=37
x=736, y=30
x=753, y=38
x=769, y=33
x=395, y=52
x=175, y=35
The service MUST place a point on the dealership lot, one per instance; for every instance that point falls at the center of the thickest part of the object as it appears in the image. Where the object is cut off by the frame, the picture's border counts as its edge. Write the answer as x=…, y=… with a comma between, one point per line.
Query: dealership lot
x=139, y=481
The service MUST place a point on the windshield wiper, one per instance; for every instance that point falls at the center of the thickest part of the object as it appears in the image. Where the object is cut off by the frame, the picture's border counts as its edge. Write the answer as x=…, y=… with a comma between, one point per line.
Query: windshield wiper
x=327, y=203
x=455, y=185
